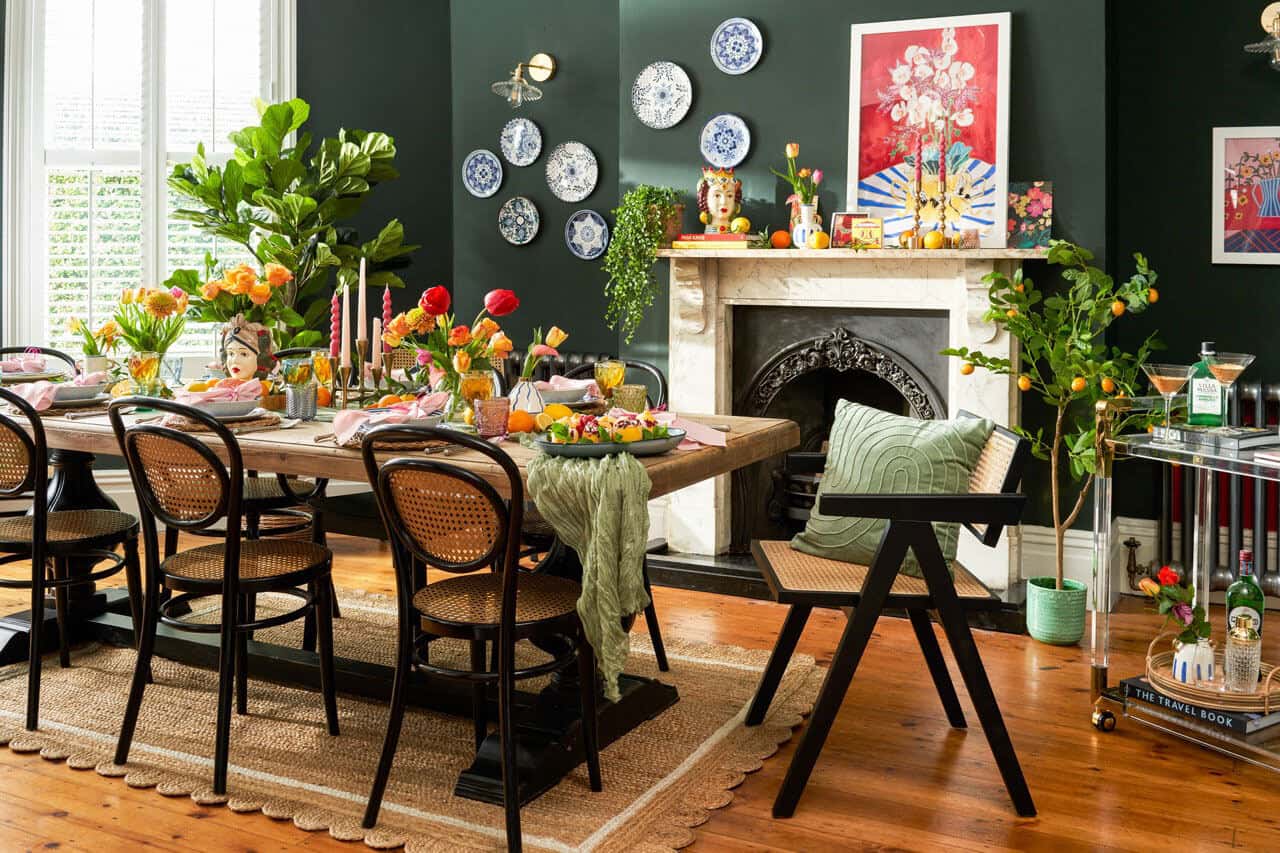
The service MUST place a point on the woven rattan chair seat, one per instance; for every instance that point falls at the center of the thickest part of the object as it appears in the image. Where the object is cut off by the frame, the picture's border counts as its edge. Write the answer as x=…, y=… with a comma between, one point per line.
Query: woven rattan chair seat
x=260, y=560
x=70, y=526
x=267, y=488
x=476, y=599
x=800, y=573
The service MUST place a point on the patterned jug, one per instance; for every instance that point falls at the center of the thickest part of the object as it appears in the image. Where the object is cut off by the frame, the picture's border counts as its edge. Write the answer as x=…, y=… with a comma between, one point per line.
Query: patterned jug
x=527, y=398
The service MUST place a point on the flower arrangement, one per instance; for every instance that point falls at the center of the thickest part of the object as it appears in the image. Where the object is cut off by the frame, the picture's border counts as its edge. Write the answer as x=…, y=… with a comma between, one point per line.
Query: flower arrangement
x=1176, y=603
x=542, y=348
x=239, y=291
x=150, y=319
x=804, y=181
x=95, y=343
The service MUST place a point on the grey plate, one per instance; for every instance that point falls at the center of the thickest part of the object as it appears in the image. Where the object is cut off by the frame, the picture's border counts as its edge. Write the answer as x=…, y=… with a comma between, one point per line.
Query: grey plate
x=80, y=402
x=562, y=395
x=227, y=409
x=66, y=393
x=636, y=448
x=6, y=378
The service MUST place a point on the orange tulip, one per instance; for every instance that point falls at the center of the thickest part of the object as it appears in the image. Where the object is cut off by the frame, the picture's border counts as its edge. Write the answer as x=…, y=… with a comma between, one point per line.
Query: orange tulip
x=260, y=293
x=278, y=275
x=461, y=361
x=391, y=339
x=209, y=290
x=793, y=150
x=501, y=345
x=484, y=330
x=399, y=326
x=804, y=173
x=459, y=335
x=556, y=336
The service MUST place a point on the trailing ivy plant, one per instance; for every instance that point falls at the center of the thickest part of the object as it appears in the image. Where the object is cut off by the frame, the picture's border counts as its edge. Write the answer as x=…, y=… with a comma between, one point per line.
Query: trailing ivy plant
x=287, y=204
x=639, y=224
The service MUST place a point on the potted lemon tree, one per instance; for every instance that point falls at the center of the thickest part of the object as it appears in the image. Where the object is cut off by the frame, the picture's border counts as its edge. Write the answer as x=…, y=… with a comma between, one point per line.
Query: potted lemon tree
x=1065, y=359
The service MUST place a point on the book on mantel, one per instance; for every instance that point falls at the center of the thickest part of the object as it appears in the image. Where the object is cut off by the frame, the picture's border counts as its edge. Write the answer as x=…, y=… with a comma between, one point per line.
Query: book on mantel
x=1235, y=723
x=1230, y=439
x=712, y=241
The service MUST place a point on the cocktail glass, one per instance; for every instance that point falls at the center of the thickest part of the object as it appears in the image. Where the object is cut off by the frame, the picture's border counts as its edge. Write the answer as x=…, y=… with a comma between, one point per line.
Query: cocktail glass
x=1226, y=367
x=1168, y=380
x=609, y=374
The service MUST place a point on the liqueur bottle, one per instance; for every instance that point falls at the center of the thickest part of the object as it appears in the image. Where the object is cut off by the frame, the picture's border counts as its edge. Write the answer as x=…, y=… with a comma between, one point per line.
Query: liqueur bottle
x=1204, y=394
x=1244, y=597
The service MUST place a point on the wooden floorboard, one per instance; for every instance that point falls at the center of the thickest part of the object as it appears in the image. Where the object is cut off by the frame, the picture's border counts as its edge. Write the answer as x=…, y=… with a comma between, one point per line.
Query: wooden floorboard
x=894, y=775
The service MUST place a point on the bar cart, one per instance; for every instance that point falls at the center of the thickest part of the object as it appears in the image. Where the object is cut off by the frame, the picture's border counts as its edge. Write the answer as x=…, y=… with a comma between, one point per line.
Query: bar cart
x=1109, y=699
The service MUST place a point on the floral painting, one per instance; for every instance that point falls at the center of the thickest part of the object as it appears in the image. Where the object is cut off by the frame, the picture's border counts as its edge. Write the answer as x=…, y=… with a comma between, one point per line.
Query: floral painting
x=1246, y=227
x=928, y=124
x=1030, y=223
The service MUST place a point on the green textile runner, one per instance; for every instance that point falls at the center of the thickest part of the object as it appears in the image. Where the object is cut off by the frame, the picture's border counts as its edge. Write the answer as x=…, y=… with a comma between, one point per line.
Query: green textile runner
x=600, y=507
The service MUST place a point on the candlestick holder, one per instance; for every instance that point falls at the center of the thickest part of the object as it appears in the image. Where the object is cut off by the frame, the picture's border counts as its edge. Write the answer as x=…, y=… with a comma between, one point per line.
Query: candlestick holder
x=362, y=352
x=377, y=378
x=345, y=374
x=334, y=381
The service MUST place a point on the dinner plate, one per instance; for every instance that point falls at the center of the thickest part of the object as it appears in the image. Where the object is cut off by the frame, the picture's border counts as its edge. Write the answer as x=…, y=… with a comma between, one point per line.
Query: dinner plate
x=587, y=235
x=31, y=377
x=651, y=447
x=67, y=392
x=482, y=173
x=736, y=45
x=572, y=171
x=80, y=402
x=562, y=395
x=227, y=409
x=520, y=141
x=518, y=220
x=661, y=95
x=725, y=141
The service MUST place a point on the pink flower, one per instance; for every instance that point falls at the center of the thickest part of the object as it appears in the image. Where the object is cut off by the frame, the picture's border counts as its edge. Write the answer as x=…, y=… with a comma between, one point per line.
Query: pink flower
x=1034, y=208
x=540, y=350
x=434, y=375
x=1182, y=612
x=424, y=358
x=817, y=177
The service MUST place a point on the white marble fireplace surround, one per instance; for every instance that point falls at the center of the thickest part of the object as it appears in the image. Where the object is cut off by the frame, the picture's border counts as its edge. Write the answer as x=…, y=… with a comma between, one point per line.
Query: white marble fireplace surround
x=707, y=284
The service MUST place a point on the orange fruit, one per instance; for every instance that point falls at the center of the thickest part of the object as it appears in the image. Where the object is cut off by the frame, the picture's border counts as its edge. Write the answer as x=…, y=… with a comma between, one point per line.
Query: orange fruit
x=1019, y=287
x=556, y=411
x=1078, y=384
x=408, y=398
x=780, y=239
x=966, y=367
x=1012, y=312
x=1153, y=295
x=323, y=396
x=934, y=240
x=1108, y=385
x=520, y=421
x=387, y=400
x=1024, y=383
x=1117, y=308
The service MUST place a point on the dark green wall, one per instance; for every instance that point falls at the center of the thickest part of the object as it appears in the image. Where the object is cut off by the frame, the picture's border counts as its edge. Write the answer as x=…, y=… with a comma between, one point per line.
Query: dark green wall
x=386, y=66
x=580, y=103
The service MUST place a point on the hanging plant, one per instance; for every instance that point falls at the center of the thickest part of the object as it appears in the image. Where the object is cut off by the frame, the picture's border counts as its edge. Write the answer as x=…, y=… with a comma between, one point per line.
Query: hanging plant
x=640, y=222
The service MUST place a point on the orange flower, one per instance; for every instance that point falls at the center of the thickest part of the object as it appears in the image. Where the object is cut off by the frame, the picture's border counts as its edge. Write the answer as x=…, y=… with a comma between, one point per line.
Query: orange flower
x=209, y=290
x=804, y=173
x=459, y=335
x=398, y=326
x=260, y=293
x=240, y=280
x=181, y=297
x=391, y=339
x=461, y=361
x=484, y=330
x=160, y=303
x=415, y=316
x=501, y=345
x=793, y=150
x=555, y=336
x=278, y=274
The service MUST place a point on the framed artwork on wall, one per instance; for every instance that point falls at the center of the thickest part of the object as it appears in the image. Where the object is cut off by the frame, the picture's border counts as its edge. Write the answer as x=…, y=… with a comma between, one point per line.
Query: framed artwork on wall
x=1246, y=195
x=928, y=104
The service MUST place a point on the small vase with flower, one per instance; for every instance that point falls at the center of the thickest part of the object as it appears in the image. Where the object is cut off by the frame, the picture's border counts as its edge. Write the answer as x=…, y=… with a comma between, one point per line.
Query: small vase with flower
x=1193, y=658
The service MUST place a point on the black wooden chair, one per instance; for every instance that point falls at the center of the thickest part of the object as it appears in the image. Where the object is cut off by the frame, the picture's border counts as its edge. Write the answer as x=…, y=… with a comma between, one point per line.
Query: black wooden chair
x=804, y=582
x=445, y=517
x=180, y=481
x=45, y=351
x=40, y=538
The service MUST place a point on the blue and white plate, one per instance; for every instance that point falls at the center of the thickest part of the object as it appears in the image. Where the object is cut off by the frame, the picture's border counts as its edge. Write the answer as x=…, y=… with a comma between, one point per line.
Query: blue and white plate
x=518, y=220
x=482, y=173
x=521, y=142
x=572, y=171
x=586, y=234
x=725, y=141
x=736, y=46
x=661, y=95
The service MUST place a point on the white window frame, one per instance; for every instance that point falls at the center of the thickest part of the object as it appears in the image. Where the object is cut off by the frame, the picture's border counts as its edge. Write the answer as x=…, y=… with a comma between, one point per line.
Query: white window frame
x=23, y=248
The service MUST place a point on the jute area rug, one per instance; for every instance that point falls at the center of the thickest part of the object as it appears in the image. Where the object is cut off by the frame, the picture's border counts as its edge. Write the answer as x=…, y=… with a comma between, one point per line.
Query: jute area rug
x=660, y=781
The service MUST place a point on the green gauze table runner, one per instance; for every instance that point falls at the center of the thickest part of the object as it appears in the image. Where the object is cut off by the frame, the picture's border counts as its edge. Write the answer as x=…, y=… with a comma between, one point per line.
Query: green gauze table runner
x=600, y=507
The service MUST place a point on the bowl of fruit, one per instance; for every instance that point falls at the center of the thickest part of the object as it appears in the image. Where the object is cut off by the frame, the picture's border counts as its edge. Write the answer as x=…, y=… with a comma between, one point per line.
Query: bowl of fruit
x=637, y=433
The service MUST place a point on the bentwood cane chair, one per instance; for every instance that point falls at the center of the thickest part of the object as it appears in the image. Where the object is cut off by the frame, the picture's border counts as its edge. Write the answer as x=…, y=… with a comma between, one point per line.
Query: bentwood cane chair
x=41, y=538
x=180, y=481
x=45, y=351
x=445, y=517
x=804, y=582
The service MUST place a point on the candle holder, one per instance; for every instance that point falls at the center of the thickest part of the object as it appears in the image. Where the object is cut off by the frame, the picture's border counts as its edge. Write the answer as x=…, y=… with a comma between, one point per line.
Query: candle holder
x=335, y=382
x=362, y=352
x=377, y=377
x=344, y=374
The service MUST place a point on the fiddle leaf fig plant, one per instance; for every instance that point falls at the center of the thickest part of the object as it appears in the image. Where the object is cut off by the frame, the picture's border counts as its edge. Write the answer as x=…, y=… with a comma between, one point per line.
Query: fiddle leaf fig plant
x=1064, y=357
x=640, y=222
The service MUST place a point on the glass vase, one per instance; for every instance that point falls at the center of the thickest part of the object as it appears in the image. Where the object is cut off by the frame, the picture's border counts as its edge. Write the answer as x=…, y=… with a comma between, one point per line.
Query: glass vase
x=144, y=370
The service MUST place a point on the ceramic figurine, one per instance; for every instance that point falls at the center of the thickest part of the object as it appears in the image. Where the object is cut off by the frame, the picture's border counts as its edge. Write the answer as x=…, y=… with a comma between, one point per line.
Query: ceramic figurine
x=719, y=199
x=246, y=349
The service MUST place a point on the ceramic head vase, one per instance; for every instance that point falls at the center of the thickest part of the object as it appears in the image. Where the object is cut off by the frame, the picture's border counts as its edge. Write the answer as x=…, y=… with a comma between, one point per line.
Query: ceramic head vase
x=719, y=199
x=245, y=349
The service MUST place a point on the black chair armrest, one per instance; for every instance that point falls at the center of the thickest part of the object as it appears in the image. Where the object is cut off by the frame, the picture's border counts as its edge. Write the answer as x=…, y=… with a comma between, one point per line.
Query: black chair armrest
x=806, y=463
x=1001, y=509
x=302, y=497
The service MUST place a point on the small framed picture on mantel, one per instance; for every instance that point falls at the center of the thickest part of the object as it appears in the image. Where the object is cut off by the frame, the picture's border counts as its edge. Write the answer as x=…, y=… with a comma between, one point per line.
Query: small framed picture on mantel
x=1246, y=195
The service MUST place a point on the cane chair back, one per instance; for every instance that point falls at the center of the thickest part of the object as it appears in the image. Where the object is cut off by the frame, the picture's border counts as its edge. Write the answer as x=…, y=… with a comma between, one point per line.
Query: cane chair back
x=22, y=456
x=999, y=470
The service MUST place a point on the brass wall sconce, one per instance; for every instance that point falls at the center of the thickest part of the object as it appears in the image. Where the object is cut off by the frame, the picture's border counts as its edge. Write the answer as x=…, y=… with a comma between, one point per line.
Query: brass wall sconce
x=1271, y=26
x=517, y=90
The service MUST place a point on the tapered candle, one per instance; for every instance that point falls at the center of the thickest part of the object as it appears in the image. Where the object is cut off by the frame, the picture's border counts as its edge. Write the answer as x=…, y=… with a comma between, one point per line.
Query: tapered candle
x=335, y=326
x=376, y=354
x=362, y=321
x=346, y=328
x=386, y=312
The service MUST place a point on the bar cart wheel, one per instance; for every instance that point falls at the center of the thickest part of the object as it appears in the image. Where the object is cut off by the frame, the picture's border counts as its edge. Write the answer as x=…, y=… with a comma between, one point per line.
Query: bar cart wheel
x=1104, y=721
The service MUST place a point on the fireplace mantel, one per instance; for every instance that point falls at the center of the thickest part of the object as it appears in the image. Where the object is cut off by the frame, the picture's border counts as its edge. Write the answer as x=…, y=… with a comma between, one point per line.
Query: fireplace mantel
x=707, y=284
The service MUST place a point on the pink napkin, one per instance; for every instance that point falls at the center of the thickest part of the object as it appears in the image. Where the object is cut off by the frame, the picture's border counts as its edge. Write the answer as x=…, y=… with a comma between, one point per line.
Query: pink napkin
x=38, y=394
x=558, y=383
x=23, y=363
x=98, y=377
x=220, y=393
x=696, y=434
x=350, y=422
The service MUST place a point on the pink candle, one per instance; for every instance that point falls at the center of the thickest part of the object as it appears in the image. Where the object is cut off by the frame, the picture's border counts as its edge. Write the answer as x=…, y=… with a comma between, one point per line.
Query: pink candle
x=386, y=311
x=376, y=355
x=919, y=162
x=335, y=328
x=362, y=320
x=345, y=355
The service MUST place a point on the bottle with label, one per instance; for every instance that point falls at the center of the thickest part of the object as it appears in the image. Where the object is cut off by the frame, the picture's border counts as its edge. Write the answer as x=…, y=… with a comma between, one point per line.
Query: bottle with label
x=1245, y=596
x=1204, y=394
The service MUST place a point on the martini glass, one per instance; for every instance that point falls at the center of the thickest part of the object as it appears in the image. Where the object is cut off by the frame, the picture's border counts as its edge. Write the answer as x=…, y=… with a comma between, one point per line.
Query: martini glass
x=1226, y=367
x=1168, y=380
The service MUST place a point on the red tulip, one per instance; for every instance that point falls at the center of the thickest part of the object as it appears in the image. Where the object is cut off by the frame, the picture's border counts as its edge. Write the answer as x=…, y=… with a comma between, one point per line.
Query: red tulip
x=500, y=303
x=435, y=301
x=1167, y=576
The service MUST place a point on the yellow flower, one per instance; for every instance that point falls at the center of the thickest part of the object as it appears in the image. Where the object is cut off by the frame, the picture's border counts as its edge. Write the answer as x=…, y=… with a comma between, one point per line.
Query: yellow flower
x=160, y=303
x=555, y=337
x=75, y=325
x=793, y=150
x=442, y=321
x=126, y=297
x=398, y=326
x=484, y=330
x=182, y=299
x=415, y=316
x=209, y=290
x=260, y=293
x=108, y=331
x=461, y=361
x=278, y=275
x=1149, y=586
x=391, y=339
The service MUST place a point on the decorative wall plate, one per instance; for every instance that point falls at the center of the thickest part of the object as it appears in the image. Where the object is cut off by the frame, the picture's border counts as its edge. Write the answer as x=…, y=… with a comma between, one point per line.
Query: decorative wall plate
x=572, y=171
x=736, y=46
x=725, y=141
x=482, y=173
x=520, y=141
x=518, y=220
x=661, y=95
x=586, y=234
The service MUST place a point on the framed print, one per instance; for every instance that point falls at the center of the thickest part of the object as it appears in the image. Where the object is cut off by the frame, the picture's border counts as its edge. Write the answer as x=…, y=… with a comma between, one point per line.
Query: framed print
x=1030, y=215
x=848, y=227
x=929, y=124
x=1246, y=195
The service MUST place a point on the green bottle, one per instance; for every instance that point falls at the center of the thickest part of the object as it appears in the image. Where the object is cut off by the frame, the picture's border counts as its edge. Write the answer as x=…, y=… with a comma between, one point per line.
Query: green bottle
x=1245, y=596
x=1204, y=394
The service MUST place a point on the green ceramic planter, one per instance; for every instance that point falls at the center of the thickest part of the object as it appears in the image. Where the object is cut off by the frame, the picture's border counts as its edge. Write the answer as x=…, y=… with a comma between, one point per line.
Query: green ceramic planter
x=1055, y=616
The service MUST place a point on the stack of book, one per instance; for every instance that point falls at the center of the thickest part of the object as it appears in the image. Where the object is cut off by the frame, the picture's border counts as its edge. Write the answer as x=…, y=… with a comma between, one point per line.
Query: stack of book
x=1231, y=439
x=713, y=241
x=1250, y=728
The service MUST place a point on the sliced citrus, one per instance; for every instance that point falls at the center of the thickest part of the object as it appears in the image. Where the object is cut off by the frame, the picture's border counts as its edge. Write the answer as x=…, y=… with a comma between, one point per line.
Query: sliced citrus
x=558, y=411
x=543, y=420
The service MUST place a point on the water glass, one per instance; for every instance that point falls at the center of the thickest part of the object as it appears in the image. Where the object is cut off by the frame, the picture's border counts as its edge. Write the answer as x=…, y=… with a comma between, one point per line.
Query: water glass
x=171, y=371
x=298, y=371
x=633, y=398
x=300, y=402
x=491, y=416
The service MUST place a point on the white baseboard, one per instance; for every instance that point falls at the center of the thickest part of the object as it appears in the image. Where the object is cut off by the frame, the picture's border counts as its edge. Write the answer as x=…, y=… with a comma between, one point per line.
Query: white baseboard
x=1077, y=554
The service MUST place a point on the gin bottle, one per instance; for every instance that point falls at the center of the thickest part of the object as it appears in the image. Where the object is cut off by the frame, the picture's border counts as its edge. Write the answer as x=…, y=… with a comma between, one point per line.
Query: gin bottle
x=1243, y=656
x=1244, y=597
x=1204, y=394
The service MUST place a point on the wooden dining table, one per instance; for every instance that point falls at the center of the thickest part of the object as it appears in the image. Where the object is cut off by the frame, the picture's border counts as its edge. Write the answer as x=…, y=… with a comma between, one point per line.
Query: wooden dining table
x=548, y=730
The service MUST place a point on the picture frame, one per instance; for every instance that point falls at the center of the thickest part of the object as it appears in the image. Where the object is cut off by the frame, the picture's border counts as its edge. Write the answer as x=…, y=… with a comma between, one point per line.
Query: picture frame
x=891, y=126
x=848, y=225
x=1245, y=223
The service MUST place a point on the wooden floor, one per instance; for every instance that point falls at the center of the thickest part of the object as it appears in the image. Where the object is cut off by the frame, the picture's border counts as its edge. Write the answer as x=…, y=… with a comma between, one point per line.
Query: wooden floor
x=893, y=774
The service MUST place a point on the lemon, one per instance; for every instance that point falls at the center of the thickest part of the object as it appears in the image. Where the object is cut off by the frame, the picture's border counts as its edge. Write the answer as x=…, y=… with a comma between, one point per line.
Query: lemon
x=934, y=240
x=543, y=420
x=740, y=225
x=198, y=386
x=469, y=416
x=819, y=240
x=557, y=411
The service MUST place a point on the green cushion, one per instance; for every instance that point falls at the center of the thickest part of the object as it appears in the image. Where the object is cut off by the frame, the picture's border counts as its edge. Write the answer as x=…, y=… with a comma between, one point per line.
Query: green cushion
x=875, y=452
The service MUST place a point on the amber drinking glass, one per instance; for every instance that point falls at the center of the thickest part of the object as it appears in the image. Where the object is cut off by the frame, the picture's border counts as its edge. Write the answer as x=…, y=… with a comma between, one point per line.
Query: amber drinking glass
x=475, y=385
x=609, y=375
x=633, y=398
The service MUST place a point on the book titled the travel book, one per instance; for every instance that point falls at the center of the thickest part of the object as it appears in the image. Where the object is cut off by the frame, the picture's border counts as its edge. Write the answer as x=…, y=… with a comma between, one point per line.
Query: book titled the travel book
x=1235, y=722
x=712, y=241
x=1229, y=439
